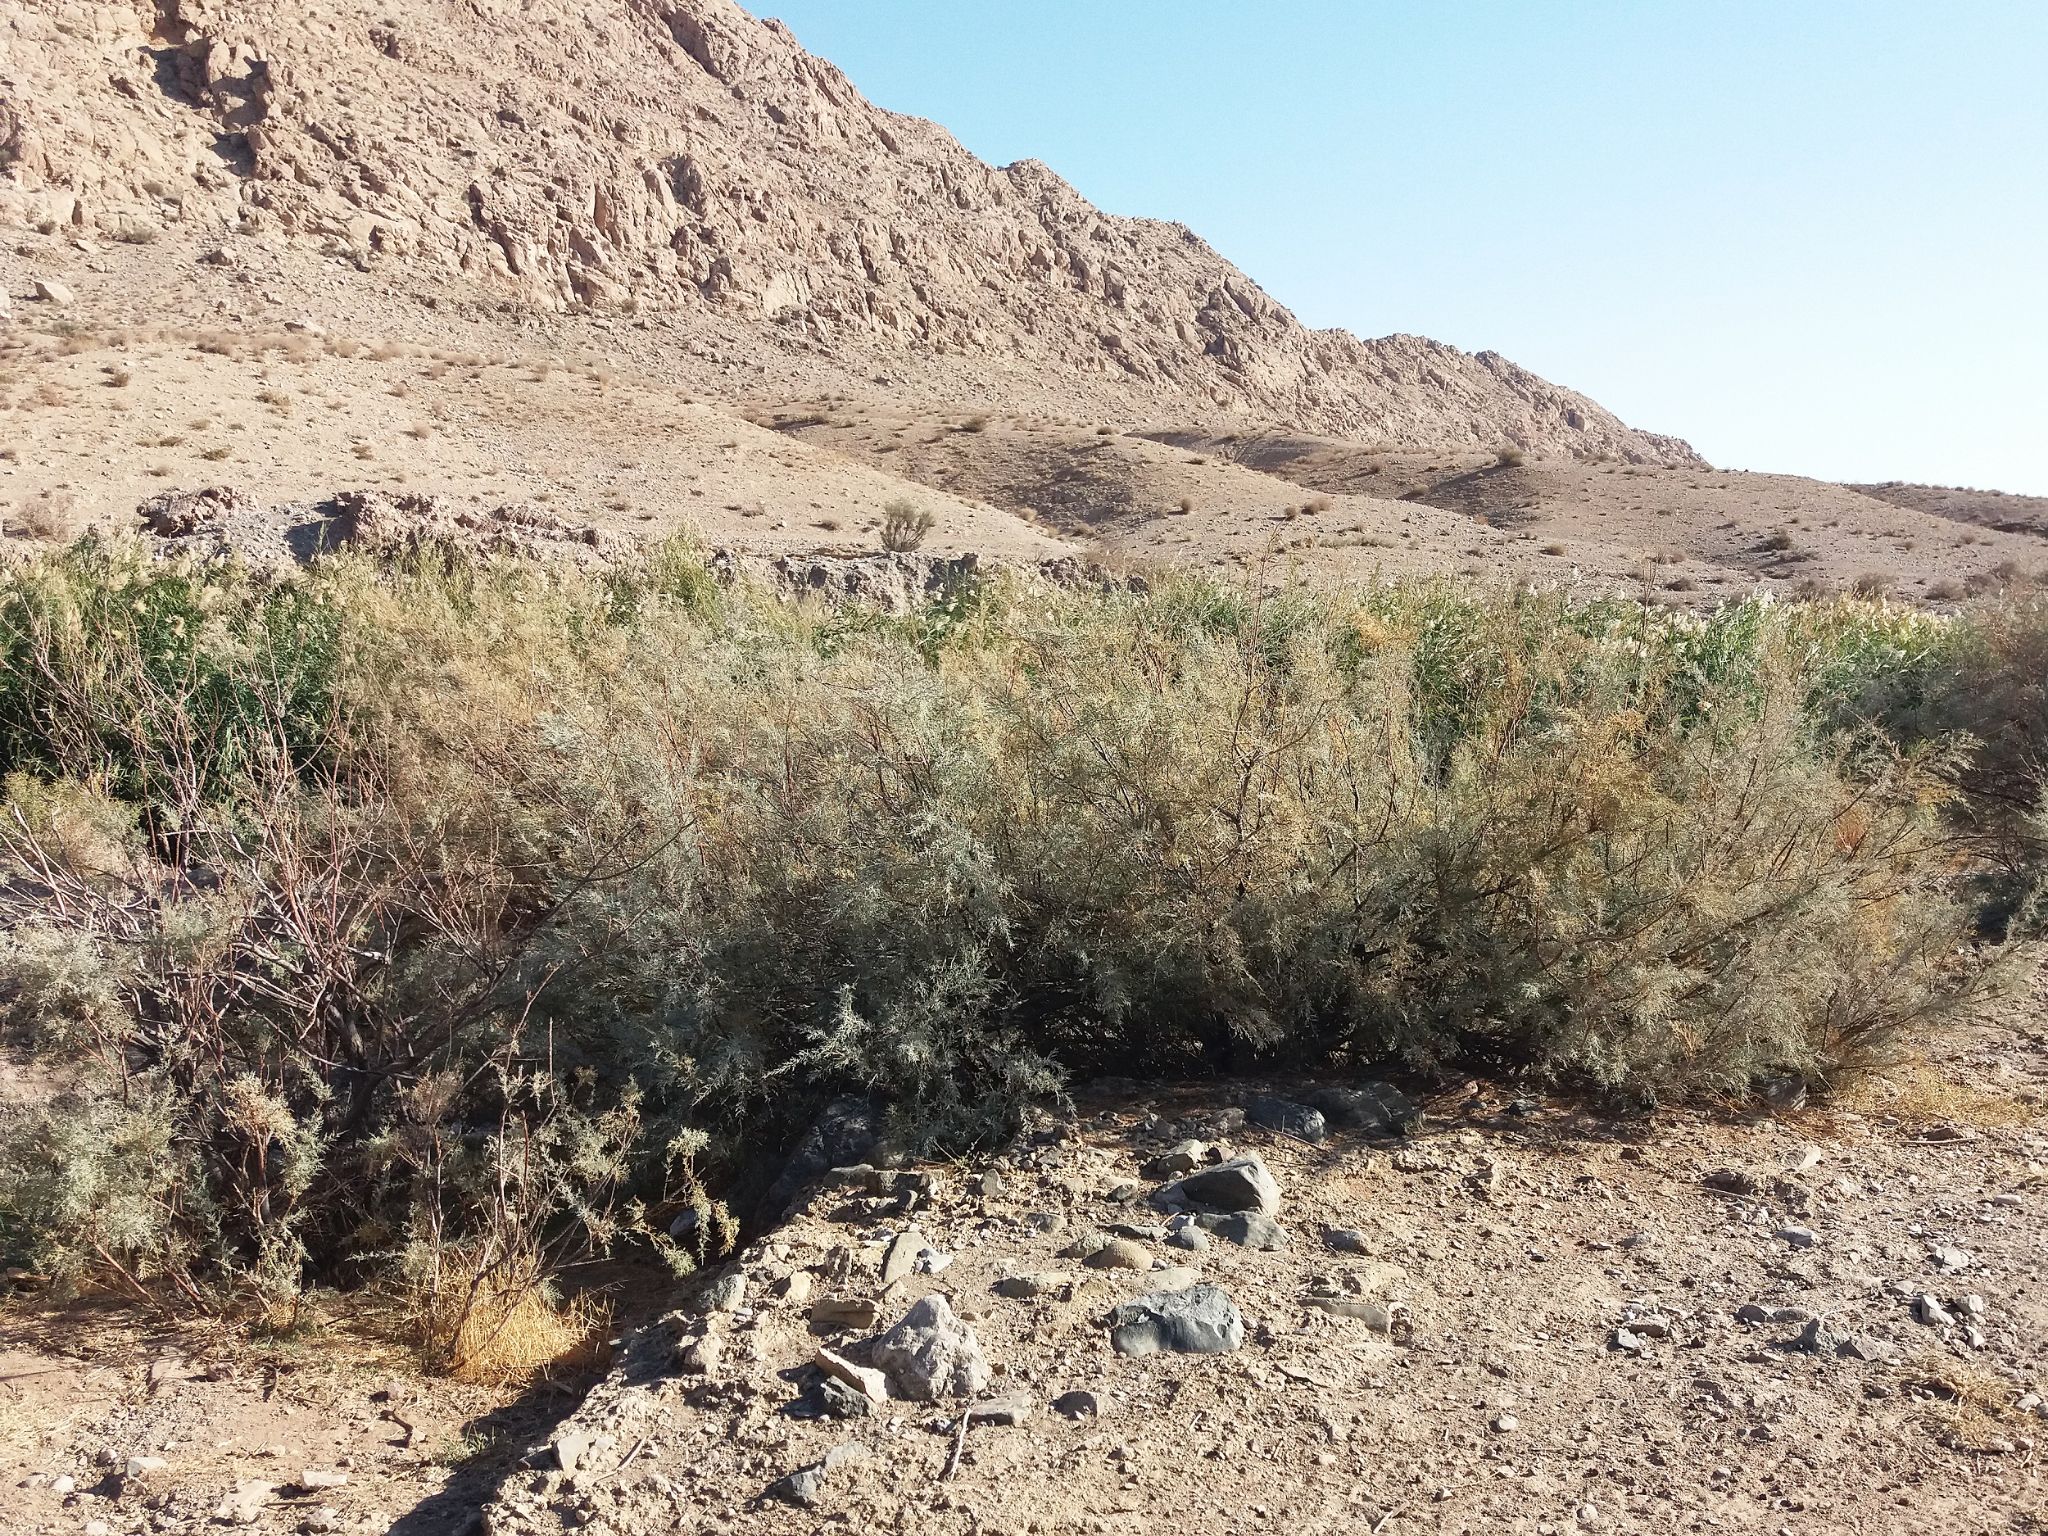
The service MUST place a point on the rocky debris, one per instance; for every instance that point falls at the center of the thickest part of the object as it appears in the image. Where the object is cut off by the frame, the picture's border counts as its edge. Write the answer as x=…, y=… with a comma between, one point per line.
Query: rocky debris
x=1038, y=1283
x=701, y=1356
x=1201, y=1320
x=1284, y=1117
x=1241, y=1184
x=1822, y=1337
x=932, y=1354
x=245, y=1505
x=805, y=1487
x=870, y=1384
x=1370, y=1109
x=1185, y=1157
x=725, y=1294
x=844, y=1314
x=217, y=522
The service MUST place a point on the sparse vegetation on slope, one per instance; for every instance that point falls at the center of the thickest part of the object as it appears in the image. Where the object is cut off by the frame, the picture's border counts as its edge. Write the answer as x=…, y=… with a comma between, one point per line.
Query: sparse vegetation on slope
x=366, y=918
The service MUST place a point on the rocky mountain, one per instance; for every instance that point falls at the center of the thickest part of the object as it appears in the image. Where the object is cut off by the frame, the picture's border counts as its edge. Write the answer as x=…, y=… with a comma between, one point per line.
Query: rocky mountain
x=684, y=160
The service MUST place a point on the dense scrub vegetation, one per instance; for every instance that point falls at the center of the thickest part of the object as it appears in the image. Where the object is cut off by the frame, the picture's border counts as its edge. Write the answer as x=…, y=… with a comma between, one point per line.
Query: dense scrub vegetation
x=459, y=921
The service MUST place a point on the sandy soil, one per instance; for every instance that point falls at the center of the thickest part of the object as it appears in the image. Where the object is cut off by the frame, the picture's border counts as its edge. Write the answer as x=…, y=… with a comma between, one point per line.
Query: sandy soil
x=1510, y=1240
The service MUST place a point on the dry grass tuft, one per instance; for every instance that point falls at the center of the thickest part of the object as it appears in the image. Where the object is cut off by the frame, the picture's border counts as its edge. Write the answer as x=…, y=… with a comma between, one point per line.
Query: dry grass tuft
x=1918, y=1095
x=498, y=1327
x=1964, y=1406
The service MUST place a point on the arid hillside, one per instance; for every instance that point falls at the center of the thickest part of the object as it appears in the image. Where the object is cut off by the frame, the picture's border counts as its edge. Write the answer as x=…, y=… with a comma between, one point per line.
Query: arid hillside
x=679, y=159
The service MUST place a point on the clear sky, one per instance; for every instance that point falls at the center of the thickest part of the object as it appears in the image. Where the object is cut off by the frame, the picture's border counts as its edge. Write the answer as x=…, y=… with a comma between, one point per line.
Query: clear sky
x=1809, y=235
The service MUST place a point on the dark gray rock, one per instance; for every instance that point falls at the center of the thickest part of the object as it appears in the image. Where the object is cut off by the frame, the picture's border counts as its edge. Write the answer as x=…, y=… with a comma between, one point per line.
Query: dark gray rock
x=1242, y=1184
x=1249, y=1229
x=1199, y=1321
x=1287, y=1118
x=1077, y=1405
x=837, y=1400
x=806, y=1486
x=1371, y=1109
x=846, y=1132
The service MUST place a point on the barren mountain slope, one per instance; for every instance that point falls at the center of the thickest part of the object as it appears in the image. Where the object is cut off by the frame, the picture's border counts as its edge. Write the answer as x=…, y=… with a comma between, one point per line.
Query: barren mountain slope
x=682, y=156
x=1985, y=509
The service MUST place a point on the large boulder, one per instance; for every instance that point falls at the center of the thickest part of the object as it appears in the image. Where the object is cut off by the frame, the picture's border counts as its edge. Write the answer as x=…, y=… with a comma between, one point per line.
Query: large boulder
x=1241, y=1184
x=932, y=1354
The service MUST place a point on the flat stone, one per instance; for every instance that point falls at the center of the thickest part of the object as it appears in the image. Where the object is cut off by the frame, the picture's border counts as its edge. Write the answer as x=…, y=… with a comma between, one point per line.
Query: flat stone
x=932, y=1354
x=1284, y=1117
x=1201, y=1320
x=1242, y=1184
x=1796, y=1237
x=869, y=1383
x=51, y=291
x=1031, y=1286
x=1376, y=1315
x=137, y=1468
x=1011, y=1409
x=836, y=1313
x=901, y=1257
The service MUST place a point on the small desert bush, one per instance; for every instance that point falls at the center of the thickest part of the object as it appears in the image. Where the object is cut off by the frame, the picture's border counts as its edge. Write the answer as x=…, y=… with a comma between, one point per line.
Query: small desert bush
x=453, y=923
x=905, y=526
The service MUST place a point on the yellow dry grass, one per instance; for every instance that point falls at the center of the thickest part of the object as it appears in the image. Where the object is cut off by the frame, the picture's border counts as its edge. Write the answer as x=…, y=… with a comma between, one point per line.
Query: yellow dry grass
x=1918, y=1094
x=504, y=1327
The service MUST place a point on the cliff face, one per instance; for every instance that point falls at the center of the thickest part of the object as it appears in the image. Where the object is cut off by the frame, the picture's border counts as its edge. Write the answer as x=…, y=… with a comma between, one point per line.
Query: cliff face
x=682, y=156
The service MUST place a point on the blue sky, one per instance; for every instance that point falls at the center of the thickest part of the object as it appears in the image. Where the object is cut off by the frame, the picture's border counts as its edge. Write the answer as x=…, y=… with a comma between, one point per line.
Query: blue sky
x=1810, y=235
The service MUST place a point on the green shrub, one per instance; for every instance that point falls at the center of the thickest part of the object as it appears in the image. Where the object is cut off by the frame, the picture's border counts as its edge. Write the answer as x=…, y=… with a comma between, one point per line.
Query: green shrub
x=374, y=917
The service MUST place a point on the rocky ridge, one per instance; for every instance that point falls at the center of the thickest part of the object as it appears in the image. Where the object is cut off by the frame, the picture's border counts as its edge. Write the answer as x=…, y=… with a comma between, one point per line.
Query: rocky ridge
x=681, y=158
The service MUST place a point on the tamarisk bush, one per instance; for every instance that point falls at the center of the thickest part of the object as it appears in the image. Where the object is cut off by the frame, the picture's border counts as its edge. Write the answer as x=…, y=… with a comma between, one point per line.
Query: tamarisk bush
x=458, y=921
